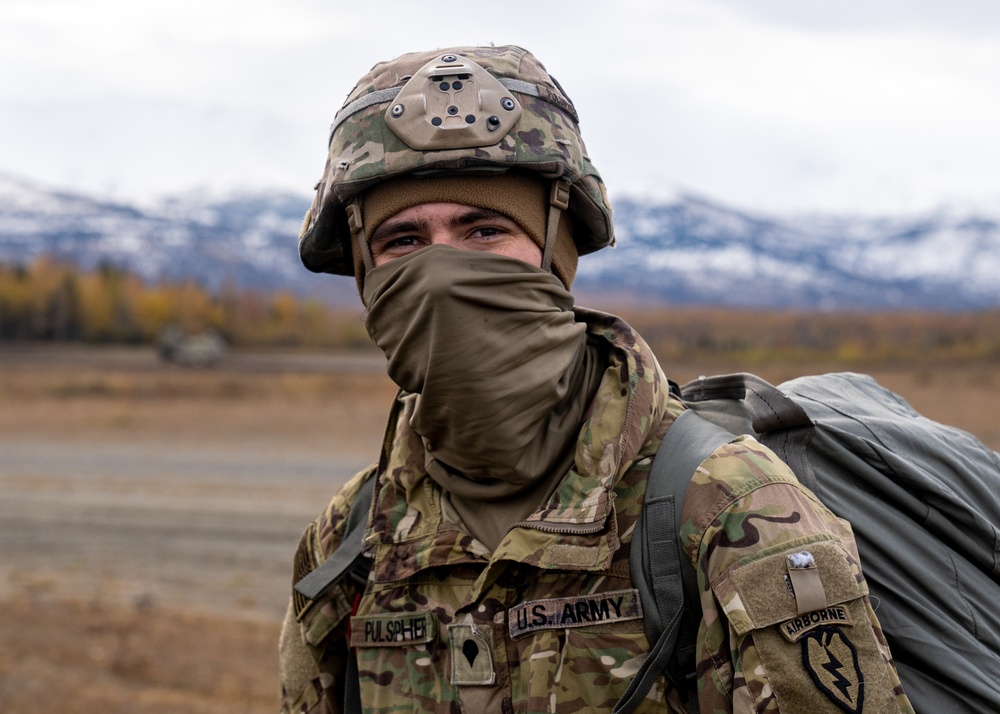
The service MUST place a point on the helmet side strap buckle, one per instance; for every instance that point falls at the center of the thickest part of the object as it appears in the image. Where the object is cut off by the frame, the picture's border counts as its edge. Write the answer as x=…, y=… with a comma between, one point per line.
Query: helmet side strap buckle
x=558, y=202
x=357, y=226
x=559, y=194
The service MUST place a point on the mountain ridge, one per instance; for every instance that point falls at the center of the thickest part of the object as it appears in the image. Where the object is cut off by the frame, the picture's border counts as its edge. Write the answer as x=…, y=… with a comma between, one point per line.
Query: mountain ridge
x=680, y=249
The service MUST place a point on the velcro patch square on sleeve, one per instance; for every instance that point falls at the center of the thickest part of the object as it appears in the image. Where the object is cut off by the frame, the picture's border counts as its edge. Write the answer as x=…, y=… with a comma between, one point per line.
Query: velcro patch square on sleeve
x=757, y=594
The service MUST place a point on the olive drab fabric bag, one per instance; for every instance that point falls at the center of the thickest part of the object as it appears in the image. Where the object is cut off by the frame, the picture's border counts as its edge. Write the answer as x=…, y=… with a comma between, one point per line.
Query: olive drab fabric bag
x=923, y=499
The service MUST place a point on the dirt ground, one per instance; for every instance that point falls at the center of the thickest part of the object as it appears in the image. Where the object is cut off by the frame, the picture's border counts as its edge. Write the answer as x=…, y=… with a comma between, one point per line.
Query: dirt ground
x=148, y=512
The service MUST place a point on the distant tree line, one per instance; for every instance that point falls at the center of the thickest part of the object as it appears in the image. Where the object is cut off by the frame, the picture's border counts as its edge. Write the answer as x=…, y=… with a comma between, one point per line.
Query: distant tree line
x=844, y=337
x=51, y=300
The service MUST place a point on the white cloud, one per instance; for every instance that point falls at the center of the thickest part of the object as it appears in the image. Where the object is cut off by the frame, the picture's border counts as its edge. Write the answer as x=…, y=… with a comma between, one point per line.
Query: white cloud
x=776, y=104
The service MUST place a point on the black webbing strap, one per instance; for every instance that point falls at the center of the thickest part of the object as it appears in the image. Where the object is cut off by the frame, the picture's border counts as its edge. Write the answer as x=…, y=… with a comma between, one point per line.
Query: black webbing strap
x=333, y=569
x=352, y=685
x=658, y=556
x=690, y=440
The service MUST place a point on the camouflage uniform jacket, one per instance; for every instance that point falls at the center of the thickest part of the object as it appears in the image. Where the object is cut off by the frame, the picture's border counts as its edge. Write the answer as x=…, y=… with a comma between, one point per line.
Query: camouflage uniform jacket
x=549, y=621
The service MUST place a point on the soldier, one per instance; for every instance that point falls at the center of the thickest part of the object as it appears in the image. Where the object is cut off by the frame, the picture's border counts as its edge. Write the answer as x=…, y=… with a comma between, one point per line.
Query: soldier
x=459, y=194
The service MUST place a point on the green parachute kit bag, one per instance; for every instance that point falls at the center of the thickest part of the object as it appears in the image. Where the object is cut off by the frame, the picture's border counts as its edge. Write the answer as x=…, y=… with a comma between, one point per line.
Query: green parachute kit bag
x=923, y=500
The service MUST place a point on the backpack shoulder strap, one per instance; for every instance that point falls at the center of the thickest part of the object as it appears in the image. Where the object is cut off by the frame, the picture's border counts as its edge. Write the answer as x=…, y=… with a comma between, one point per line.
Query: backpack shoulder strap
x=778, y=420
x=348, y=553
x=689, y=441
x=666, y=582
x=347, y=560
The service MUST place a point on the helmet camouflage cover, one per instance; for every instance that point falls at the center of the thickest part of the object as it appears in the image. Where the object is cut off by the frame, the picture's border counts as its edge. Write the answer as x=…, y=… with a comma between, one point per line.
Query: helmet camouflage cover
x=479, y=109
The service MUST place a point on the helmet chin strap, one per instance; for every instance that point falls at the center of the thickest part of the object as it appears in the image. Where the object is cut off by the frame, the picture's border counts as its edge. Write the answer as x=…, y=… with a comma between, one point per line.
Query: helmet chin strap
x=558, y=202
x=357, y=225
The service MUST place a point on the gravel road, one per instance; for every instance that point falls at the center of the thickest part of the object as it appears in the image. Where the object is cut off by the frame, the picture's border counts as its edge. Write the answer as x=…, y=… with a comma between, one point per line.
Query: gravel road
x=126, y=480
x=209, y=528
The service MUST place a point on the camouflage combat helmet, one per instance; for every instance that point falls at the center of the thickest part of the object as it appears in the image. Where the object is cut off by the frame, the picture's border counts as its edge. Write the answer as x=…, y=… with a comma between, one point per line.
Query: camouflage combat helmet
x=475, y=109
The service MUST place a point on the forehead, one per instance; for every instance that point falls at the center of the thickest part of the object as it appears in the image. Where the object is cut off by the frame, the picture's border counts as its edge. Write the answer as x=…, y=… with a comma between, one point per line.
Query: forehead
x=438, y=214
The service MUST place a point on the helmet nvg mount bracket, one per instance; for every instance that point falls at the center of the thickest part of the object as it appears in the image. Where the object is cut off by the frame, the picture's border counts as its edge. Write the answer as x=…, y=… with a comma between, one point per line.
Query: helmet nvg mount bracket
x=452, y=103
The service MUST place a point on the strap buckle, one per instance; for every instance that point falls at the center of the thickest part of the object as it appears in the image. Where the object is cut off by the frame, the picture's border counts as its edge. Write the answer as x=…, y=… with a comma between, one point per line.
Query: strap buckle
x=559, y=194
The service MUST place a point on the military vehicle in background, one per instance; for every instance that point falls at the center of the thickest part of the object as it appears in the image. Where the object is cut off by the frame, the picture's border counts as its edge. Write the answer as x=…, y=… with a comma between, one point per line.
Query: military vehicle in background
x=203, y=349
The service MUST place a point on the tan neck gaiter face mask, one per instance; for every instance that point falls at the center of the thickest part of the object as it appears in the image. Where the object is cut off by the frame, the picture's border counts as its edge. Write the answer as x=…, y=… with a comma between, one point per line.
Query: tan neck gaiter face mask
x=502, y=369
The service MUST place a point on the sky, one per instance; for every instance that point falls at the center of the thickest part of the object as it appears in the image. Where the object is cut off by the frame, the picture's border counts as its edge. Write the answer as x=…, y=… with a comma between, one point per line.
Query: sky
x=774, y=106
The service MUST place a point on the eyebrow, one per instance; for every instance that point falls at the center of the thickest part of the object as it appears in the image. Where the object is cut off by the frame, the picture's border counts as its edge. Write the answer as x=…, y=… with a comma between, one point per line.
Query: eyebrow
x=472, y=215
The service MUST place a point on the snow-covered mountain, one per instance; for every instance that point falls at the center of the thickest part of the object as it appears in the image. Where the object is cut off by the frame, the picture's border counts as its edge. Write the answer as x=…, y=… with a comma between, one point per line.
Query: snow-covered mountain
x=691, y=250
x=681, y=249
x=248, y=240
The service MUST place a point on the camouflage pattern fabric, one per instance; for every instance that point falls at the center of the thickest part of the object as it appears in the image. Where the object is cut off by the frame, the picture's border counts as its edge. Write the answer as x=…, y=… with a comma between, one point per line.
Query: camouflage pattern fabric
x=549, y=621
x=776, y=636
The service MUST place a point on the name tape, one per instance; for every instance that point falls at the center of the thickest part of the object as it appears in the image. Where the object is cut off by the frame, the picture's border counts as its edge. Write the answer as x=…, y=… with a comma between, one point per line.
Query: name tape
x=394, y=630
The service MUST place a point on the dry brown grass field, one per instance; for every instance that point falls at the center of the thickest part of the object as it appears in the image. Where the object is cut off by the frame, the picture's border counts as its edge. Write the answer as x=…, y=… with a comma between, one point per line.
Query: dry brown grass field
x=148, y=512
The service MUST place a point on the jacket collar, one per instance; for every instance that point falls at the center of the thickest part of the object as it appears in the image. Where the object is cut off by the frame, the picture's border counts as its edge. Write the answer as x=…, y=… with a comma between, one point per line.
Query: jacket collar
x=575, y=528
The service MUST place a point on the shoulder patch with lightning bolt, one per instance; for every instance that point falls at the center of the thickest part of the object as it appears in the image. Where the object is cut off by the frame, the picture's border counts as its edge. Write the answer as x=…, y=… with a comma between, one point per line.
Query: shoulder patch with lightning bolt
x=831, y=659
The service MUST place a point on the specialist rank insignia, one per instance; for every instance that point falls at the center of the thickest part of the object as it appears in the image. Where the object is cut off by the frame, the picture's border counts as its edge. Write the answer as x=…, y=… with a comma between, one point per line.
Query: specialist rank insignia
x=471, y=654
x=831, y=659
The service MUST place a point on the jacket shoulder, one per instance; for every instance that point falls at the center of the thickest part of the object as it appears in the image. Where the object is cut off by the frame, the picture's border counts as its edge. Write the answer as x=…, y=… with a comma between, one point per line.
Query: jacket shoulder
x=323, y=536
